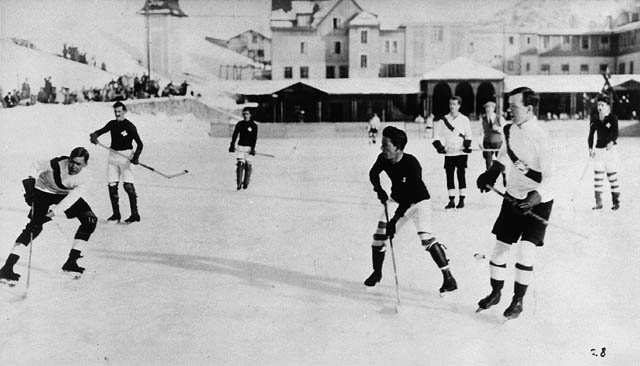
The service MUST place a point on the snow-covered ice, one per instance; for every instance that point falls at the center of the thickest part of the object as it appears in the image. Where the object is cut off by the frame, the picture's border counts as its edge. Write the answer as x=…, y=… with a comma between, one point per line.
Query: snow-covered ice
x=273, y=275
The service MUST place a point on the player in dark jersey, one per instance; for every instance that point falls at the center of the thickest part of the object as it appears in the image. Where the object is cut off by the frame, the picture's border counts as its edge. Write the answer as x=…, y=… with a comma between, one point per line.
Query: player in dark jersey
x=247, y=130
x=409, y=199
x=604, y=124
x=123, y=134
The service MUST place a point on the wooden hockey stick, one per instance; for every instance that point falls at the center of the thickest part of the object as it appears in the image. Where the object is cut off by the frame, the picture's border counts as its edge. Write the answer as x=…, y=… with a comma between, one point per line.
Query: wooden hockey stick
x=546, y=222
x=168, y=176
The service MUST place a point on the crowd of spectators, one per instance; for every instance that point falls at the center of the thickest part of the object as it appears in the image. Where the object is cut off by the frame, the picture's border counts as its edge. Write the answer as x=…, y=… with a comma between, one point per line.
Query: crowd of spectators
x=73, y=53
x=123, y=88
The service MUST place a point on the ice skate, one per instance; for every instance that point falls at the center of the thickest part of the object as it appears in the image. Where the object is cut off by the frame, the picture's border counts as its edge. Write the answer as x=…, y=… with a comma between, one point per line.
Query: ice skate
x=114, y=218
x=71, y=265
x=133, y=218
x=492, y=299
x=514, y=310
x=373, y=279
x=449, y=283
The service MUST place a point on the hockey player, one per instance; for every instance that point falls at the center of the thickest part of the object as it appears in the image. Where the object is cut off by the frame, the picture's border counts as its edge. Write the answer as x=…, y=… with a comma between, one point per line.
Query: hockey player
x=374, y=127
x=247, y=130
x=123, y=133
x=492, y=124
x=528, y=153
x=605, y=154
x=409, y=199
x=60, y=184
x=456, y=133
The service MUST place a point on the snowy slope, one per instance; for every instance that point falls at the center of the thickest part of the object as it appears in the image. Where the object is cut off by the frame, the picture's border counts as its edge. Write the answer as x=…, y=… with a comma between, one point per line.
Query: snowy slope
x=272, y=275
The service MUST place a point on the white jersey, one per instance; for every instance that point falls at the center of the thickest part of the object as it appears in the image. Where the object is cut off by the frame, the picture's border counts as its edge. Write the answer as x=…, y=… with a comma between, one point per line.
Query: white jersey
x=453, y=140
x=531, y=145
x=53, y=177
x=374, y=122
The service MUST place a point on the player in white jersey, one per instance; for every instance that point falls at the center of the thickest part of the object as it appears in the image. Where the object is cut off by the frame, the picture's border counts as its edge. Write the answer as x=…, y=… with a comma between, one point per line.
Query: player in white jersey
x=455, y=132
x=58, y=188
x=527, y=151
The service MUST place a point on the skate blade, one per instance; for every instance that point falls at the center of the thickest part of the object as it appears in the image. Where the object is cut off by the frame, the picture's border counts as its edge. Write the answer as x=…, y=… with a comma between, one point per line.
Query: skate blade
x=448, y=293
x=8, y=282
x=73, y=275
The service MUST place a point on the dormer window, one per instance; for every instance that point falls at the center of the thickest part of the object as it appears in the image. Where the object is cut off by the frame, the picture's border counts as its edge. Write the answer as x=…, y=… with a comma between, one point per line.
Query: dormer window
x=337, y=23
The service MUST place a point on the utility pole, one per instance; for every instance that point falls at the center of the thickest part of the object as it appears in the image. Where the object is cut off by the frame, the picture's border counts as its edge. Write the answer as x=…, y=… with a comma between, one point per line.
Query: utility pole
x=148, y=44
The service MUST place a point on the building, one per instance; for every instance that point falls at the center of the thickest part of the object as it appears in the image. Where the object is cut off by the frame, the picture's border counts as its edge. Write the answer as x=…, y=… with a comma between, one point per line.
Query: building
x=164, y=51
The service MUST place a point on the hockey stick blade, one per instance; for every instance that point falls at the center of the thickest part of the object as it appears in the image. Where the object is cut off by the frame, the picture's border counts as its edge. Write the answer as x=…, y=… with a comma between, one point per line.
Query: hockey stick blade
x=264, y=154
x=169, y=176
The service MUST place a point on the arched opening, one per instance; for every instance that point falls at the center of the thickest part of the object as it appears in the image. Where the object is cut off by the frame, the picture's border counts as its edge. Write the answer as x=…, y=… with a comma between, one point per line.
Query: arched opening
x=486, y=92
x=441, y=95
x=465, y=91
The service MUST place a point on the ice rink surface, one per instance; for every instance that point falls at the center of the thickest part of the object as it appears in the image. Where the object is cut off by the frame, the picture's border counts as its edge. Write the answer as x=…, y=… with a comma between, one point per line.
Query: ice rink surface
x=273, y=275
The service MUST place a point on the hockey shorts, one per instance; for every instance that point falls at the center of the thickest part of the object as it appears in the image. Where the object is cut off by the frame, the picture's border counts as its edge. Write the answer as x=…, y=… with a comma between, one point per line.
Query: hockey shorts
x=511, y=225
x=119, y=167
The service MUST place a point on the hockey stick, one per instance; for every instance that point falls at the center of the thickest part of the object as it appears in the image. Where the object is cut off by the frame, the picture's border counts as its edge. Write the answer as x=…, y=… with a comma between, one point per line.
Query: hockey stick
x=513, y=202
x=393, y=259
x=24, y=296
x=575, y=190
x=267, y=155
x=169, y=176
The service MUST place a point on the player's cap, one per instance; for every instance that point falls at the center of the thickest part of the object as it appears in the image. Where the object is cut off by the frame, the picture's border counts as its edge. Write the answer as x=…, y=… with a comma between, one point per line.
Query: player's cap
x=603, y=98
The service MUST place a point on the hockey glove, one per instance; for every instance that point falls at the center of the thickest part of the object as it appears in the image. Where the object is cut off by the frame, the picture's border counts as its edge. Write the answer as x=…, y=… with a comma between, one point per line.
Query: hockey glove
x=232, y=148
x=93, y=138
x=134, y=160
x=29, y=185
x=252, y=152
x=526, y=205
x=489, y=177
x=382, y=195
x=467, y=146
x=391, y=228
x=439, y=148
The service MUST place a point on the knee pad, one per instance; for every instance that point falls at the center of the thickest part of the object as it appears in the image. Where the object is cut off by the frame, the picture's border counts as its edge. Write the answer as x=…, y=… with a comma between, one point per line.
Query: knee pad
x=240, y=163
x=30, y=232
x=88, y=221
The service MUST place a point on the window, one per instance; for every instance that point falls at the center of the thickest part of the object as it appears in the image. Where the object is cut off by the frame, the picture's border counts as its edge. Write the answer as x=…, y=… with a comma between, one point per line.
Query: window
x=337, y=48
x=331, y=72
x=634, y=17
x=510, y=65
x=604, y=40
x=584, y=42
x=304, y=72
x=545, y=42
x=363, y=61
x=436, y=34
x=386, y=46
x=288, y=72
x=564, y=68
x=584, y=68
x=302, y=48
x=528, y=67
x=337, y=23
x=630, y=67
x=391, y=70
x=621, y=68
x=545, y=68
x=528, y=40
x=344, y=71
x=363, y=36
x=511, y=40
x=395, y=46
x=254, y=38
x=261, y=53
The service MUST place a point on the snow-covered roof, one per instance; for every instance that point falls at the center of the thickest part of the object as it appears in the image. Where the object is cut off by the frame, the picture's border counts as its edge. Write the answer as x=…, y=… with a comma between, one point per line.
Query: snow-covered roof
x=462, y=68
x=364, y=19
x=280, y=14
x=301, y=7
x=591, y=83
x=349, y=86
